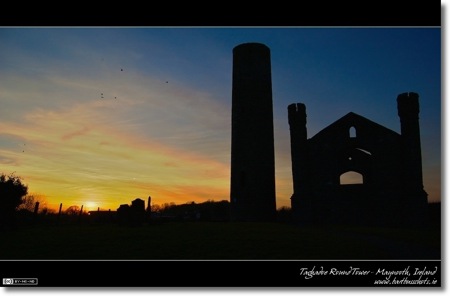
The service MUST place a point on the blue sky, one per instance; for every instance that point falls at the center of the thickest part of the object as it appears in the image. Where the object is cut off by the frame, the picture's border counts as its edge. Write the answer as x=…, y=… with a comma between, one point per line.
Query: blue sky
x=104, y=115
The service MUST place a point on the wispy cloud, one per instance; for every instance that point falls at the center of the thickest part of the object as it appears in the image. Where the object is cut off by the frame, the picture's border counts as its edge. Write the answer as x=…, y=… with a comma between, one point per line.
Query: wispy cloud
x=115, y=114
x=117, y=138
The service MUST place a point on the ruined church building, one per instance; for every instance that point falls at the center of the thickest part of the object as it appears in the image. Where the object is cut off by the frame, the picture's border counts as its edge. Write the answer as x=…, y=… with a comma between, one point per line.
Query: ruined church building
x=386, y=166
x=388, y=189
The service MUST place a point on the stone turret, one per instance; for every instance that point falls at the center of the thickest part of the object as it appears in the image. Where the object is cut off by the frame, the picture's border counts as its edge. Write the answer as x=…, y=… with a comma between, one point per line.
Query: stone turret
x=300, y=202
x=415, y=197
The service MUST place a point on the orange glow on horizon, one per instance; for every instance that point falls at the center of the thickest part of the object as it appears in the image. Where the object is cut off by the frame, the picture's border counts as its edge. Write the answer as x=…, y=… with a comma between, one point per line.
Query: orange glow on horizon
x=142, y=139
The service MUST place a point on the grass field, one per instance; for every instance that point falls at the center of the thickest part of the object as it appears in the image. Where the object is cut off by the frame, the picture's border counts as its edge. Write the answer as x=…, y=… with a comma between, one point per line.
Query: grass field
x=217, y=240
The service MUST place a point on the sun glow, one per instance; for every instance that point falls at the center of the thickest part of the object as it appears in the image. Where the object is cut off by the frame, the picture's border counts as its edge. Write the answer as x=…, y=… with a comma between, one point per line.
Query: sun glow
x=87, y=123
x=91, y=206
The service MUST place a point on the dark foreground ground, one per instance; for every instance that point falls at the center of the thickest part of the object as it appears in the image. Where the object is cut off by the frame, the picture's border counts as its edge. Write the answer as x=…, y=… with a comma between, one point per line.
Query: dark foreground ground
x=218, y=240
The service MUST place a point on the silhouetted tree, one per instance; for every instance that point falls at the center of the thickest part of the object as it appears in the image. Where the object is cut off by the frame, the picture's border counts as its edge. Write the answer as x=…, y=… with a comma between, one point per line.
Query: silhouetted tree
x=168, y=206
x=191, y=211
x=48, y=211
x=284, y=214
x=29, y=202
x=73, y=210
x=155, y=208
x=12, y=190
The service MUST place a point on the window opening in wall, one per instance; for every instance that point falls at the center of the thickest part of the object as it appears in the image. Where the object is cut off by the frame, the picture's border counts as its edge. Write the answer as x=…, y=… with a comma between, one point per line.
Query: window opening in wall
x=352, y=132
x=351, y=177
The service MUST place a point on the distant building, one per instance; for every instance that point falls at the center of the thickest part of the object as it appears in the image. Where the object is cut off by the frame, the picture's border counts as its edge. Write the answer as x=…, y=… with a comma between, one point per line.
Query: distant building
x=138, y=205
x=386, y=167
x=102, y=216
x=133, y=215
x=149, y=204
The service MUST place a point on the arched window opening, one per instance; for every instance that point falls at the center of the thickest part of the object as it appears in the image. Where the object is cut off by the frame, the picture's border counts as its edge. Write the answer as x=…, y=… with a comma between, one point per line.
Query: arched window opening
x=352, y=132
x=351, y=177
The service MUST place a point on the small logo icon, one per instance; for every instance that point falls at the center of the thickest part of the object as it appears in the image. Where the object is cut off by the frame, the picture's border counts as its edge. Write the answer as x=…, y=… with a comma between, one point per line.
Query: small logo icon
x=7, y=281
x=20, y=281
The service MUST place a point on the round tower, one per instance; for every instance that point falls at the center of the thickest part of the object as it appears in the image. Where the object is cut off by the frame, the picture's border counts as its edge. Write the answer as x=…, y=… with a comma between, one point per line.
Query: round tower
x=252, y=190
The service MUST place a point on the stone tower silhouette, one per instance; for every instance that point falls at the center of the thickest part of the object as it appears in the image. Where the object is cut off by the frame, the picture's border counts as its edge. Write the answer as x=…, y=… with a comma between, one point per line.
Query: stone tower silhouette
x=301, y=206
x=252, y=192
x=415, y=196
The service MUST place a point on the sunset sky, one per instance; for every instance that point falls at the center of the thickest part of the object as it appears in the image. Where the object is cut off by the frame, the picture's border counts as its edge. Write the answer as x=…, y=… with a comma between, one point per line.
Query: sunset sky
x=101, y=116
